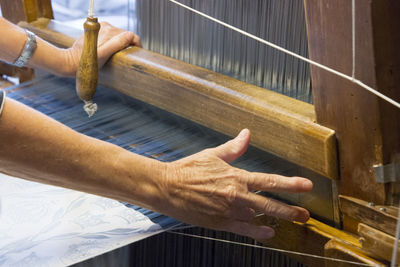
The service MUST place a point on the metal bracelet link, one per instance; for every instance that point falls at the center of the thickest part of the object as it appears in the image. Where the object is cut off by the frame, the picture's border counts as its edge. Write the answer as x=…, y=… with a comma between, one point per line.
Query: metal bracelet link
x=27, y=52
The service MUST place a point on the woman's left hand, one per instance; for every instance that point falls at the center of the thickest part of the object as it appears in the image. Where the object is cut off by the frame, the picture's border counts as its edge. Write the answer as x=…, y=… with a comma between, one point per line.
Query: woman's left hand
x=110, y=41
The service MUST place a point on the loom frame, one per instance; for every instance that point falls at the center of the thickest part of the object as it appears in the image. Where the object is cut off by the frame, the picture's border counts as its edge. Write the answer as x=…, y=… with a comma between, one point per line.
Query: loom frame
x=357, y=184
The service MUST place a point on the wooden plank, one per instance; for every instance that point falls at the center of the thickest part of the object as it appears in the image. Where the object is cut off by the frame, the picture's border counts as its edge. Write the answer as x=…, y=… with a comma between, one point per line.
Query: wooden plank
x=311, y=238
x=336, y=250
x=367, y=129
x=4, y=83
x=46, y=10
x=376, y=216
x=13, y=10
x=377, y=243
x=24, y=74
x=26, y=10
x=281, y=125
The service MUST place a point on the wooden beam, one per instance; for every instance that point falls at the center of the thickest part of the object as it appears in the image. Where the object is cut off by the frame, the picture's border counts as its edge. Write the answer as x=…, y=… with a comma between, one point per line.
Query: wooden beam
x=336, y=250
x=315, y=238
x=376, y=216
x=281, y=125
x=377, y=243
x=24, y=74
x=26, y=10
x=367, y=128
x=4, y=83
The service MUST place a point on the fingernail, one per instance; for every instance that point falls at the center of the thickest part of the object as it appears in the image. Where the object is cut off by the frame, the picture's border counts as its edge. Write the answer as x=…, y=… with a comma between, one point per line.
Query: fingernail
x=267, y=233
x=242, y=134
x=307, y=185
x=304, y=217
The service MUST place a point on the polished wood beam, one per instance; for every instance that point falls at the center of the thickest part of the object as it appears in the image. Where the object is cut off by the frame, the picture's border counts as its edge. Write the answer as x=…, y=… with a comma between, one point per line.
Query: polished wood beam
x=280, y=125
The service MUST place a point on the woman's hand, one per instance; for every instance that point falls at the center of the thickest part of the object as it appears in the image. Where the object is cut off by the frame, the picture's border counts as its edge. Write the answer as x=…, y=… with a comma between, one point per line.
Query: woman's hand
x=204, y=190
x=110, y=41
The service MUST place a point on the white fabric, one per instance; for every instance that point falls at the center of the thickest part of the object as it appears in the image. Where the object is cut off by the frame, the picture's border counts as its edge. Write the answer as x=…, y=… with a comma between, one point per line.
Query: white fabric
x=42, y=225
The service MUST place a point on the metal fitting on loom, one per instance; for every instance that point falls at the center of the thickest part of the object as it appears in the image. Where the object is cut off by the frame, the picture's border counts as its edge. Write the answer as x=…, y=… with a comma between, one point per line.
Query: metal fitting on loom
x=387, y=173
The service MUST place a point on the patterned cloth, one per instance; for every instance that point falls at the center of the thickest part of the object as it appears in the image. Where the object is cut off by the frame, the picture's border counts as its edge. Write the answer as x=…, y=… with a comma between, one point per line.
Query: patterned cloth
x=42, y=225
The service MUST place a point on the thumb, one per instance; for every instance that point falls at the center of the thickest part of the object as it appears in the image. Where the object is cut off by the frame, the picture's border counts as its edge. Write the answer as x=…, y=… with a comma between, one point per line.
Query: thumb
x=115, y=44
x=234, y=148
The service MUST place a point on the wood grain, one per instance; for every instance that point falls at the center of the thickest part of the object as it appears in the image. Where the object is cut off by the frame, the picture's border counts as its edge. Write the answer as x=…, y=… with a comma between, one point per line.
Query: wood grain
x=376, y=216
x=23, y=74
x=26, y=10
x=312, y=238
x=280, y=125
x=377, y=243
x=337, y=250
x=367, y=128
x=87, y=73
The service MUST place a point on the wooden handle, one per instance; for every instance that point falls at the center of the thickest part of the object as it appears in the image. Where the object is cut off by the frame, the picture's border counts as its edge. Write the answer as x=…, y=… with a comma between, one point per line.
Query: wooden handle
x=87, y=74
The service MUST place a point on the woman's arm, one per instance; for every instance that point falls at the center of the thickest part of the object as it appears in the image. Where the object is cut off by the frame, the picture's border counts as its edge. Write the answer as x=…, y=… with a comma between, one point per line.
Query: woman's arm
x=58, y=60
x=202, y=189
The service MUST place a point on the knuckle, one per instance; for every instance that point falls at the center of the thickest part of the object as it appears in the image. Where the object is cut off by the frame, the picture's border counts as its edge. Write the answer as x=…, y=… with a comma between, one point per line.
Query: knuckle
x=248, y=178
x=105, y=24
x=231, y=193
x=234, y=149
x=271, y=182
x=268, y=207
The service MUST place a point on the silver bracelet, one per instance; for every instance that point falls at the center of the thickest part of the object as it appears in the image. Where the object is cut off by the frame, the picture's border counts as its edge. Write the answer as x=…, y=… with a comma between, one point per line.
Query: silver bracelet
x=27, y=52
x=2, y=99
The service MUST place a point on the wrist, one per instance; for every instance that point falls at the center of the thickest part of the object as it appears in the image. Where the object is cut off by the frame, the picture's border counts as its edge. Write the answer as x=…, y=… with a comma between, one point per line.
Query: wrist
x=141, y=179
x=59, y=61
x=70, y=62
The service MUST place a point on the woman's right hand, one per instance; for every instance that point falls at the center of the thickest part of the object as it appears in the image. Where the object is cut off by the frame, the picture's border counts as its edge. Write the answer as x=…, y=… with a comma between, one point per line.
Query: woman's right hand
x=204, y=190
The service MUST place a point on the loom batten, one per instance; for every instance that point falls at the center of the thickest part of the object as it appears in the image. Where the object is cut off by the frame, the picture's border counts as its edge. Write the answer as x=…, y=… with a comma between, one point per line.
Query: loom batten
x=185, y=90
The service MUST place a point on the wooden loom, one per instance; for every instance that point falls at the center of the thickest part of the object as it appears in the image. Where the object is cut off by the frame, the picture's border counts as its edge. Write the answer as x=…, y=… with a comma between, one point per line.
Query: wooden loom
x=342, y=136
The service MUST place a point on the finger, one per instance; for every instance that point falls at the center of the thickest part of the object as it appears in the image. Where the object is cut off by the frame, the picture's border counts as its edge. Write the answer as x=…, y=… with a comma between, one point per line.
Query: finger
x=276, y=208
x=278, y=183
x=234, y=148
x=244, y=214
x=118, y=42
x=250, y=230
x=136, y=41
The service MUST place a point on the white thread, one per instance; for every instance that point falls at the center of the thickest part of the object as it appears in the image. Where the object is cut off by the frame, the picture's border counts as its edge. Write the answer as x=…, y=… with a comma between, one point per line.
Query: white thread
x=91, y=8
x=90, y=108
x=129, y=15
x=353, y=30
x=269, y=248
x=351, y=79
x=396, y=242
